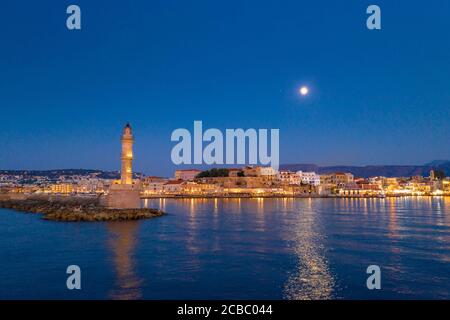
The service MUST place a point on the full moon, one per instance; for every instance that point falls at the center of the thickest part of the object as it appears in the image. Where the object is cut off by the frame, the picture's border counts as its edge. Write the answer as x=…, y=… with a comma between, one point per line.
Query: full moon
x=304, y=91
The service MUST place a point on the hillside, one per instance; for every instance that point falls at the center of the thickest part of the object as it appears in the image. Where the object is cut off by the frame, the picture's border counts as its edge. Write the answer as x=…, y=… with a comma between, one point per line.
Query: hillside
x=54, y=174
x=374, y=170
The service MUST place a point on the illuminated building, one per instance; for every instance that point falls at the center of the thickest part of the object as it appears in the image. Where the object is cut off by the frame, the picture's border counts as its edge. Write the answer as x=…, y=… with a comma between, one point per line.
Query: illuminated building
x=341, y=178
x=173, y=187
x=289, y=177
x=63, y=188
x=311, y=178
x=200, y=188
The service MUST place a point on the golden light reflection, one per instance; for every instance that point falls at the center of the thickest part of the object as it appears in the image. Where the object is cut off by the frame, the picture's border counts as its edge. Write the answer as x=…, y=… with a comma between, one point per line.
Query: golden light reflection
x=445, y=203
x=393, y=227
x=216, y=206
x=239, y=205
x=193, y=224
x=122, y=242
x=312, y=279
x=260, y=205
x=192, y=206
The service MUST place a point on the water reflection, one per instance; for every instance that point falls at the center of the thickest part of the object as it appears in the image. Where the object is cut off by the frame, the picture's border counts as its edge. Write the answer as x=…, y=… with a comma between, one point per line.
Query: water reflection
x=122, y=242
x=308, y=248
x=312, y=279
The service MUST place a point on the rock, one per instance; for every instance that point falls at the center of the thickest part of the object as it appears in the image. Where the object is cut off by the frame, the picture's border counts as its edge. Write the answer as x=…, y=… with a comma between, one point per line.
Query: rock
x=78, y=210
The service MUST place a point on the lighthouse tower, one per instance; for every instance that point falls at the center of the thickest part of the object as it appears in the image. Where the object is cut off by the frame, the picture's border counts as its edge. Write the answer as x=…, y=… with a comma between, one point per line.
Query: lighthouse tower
x=124, y=194
x=127, y=155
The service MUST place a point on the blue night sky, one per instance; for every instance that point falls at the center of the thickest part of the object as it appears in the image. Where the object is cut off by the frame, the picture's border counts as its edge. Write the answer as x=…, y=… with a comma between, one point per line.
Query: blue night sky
x=377, y=97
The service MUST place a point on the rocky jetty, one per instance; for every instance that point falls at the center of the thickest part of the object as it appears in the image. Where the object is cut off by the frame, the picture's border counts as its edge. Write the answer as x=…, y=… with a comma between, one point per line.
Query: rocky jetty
x=76, y=209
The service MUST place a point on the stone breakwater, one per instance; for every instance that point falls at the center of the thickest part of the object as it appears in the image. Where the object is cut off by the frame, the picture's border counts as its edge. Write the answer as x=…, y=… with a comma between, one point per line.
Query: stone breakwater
x=74, y=210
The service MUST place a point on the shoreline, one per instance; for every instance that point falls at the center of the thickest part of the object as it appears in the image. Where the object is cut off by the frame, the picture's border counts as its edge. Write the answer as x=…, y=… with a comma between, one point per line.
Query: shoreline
x=284, y=196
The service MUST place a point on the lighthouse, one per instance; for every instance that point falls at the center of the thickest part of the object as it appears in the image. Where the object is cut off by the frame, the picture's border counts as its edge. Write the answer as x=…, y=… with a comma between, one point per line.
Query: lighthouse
x=127, y=155
x=124, y=194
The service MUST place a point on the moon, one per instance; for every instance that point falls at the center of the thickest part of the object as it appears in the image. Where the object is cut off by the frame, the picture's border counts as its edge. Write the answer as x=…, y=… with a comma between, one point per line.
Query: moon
x=304, y=90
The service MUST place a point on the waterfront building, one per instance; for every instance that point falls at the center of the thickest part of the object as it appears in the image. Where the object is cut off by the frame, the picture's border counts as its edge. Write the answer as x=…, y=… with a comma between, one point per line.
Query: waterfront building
x=154, y=188
x=331, y=183
x=289, y=177
x=325, y=179
x=341, y=178
x=377, y=180
x=239, y=191
x=267, y=171
x=173, y=187
x=446, y=186
x=311, y=178
x=62, y=188
x=391, y=182
x=90, y=185
x=194, y=188
x=187, y=174
x=258, y=171
x=300, y=190
x=359, y=191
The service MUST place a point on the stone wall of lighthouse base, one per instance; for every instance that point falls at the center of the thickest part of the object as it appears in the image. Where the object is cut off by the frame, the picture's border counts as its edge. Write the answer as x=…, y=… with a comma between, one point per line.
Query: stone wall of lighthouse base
x=122, y=196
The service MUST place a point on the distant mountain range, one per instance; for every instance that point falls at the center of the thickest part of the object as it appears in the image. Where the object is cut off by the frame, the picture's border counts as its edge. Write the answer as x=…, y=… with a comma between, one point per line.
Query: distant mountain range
x=375, y=170
x=359, y=171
